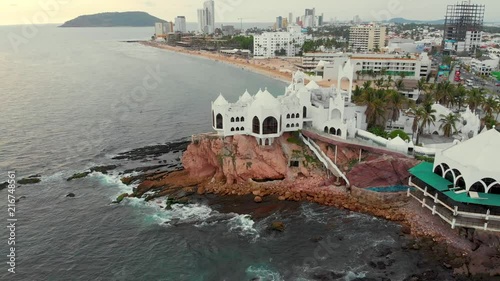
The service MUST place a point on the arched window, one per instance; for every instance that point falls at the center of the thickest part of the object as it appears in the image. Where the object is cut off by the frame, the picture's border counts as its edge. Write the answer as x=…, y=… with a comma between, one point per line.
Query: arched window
x=237, y=119
x=449, y=176
x=256, y=125
x=333, y=131
x=304, y=112
x=288, y=125
x=479, y=186
x=297, y=125
x=232, y=129
x=237, y=129
x=293, y=115
x=339, y=132
x=219, y=121
x=326, y=130
x=242, y=129
x=270, y=126
x=336, y=114
x=267, y=142
x=297, y=115
x=288, y=116
x=242, y=119
x=232, y=119
x=293, y=126
x=438, y=170
x=490, y=183
x=495, y=189
x=460, y=182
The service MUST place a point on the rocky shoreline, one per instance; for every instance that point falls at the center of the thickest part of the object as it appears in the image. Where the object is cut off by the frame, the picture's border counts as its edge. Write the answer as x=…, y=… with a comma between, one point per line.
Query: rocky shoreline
x=237, y=166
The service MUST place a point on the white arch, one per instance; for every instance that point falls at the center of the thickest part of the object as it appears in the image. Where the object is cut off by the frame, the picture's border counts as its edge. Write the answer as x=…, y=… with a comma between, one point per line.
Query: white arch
x=456, y=180
x=452, y=173
x=490, y=186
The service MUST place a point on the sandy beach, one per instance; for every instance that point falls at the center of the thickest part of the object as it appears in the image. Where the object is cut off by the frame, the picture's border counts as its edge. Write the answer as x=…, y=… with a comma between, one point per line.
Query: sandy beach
x=277, y=68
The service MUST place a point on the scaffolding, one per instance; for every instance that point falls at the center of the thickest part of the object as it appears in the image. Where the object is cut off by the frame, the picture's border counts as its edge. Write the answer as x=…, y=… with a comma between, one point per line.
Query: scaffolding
x=461, y=18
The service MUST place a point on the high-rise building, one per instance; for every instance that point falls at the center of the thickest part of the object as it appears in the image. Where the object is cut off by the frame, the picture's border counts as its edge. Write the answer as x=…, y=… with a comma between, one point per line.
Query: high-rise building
x=163, y=28
x=284, y=23
x=310, y=17
x=180, y=24
x=206, y=17
x=279, y=22
x=364, y=38
x=320, y=20
x=271, y=44
x=290, y=18
x=463, y=26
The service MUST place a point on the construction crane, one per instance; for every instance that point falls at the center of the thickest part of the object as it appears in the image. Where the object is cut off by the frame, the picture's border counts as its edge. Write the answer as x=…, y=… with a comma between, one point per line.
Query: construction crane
x=241, y=22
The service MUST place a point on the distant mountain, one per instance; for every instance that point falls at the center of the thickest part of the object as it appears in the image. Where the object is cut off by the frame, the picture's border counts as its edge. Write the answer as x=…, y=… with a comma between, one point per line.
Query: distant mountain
x=113, y=19
x=403, y=20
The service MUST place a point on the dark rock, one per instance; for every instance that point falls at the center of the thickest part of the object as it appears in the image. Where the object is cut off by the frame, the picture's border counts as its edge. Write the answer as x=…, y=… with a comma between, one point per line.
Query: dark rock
x=30, y=180
x=4, y=185
x=120, y=198
x=327, y=275
x=153, y=151
x=103, y=169
x=19, y=199
x=277, y=226
x=35, y=176
x=378, y=265
x=383, y=252
x=316, y=239
x=70, y=195
x=78, y=176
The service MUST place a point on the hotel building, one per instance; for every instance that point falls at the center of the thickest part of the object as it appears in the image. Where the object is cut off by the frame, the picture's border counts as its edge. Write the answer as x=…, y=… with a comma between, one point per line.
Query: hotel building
x=365, y=38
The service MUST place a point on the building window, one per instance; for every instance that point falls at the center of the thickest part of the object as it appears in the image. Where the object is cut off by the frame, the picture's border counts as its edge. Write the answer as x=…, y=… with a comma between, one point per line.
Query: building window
x=242, y=119
x=232, y=129
x=242, y=129
x=256, y=125
x=232, y=119
x=219, y=121
x=288, y=116
x=297, y=115
x=237, y=119
x=339, y=132
x=304, y=112
x=333, y=131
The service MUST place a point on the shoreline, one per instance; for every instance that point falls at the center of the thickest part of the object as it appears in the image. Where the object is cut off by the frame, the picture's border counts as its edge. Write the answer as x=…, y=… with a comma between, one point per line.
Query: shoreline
x=267, y=67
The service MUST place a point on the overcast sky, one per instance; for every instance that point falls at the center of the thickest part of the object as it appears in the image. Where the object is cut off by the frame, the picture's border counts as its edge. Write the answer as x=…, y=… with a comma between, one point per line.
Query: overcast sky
x=58, y=11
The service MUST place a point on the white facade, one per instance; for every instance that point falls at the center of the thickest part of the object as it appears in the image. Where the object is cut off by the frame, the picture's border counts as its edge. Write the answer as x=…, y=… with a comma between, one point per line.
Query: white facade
x=267, y=117
x=414, y=67
x=159, y=29
x=180, y=24
x=472, y=165
x=473, y=40
x=485, y=65
x=206, y=18
x=364, y=38
x=266, y=44
x=163, y=28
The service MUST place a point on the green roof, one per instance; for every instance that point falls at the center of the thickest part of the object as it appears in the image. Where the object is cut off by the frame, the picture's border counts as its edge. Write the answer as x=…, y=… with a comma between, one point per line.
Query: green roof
x=488, y=199
x=496, y=74
x=424, y=172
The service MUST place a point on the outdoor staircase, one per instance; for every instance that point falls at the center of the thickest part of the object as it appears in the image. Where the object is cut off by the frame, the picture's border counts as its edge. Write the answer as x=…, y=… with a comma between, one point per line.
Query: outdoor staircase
x=327, y=162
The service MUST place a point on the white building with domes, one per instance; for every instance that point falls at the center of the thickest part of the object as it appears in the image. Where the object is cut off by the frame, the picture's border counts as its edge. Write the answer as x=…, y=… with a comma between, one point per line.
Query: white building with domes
x=267, y=117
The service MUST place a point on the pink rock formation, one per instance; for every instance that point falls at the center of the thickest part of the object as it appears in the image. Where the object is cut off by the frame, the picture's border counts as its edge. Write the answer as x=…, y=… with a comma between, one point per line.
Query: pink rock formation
x=237, y=159
x=384, y=171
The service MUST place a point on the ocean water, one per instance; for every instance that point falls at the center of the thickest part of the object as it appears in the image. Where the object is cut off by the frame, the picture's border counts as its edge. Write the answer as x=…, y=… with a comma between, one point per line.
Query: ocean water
x=74, y=98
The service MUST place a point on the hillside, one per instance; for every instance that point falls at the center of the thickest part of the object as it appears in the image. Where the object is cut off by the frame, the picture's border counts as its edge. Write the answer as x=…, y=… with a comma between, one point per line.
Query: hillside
x=403, y=20
x=114, y=19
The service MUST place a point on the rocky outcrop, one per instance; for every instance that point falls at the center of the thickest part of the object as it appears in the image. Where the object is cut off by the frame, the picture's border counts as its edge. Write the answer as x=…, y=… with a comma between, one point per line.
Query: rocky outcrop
x=236, y=159
x=30, y=180
x=384, y=171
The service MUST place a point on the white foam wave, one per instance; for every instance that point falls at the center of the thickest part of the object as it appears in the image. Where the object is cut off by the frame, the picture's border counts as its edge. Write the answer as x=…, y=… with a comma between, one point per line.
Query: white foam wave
x=263, y=273
x=57, y=177
x=244, y=225
x=352, y=276
x=312, y=215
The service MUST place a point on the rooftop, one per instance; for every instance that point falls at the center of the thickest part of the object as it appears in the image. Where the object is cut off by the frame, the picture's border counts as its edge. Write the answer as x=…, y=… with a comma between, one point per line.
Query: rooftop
x=424, y=172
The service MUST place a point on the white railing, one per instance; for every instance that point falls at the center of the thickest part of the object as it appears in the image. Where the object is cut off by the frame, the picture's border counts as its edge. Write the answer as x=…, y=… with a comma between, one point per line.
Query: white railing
x=459, y=218
x=324, y=158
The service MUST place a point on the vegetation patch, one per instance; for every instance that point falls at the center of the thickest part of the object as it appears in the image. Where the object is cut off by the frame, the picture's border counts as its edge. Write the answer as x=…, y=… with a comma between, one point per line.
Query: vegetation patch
x=399, y=133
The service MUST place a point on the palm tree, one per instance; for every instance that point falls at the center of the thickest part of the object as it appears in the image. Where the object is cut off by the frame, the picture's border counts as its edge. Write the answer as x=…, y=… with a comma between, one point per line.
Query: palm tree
x=475, y=98
x=367, y=85
x=448, y=124
x=375, y=106
x=356, y=93
x=427, y=118
x=399, y=85
x=417, y=113
x=459, y=95
x=379, y=82
x=490, y=106
x=421, y=85
x=396, y=103
x=383, y=71
x=389, y=80
x=358, y=73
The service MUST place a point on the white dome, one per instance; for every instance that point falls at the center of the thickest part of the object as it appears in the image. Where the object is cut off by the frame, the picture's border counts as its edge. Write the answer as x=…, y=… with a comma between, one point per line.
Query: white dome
x=220, y=101
x=265, y=100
